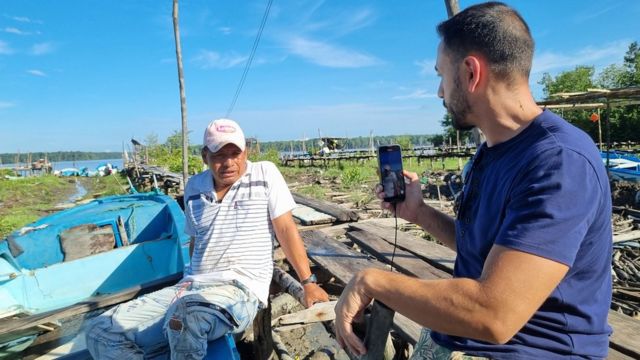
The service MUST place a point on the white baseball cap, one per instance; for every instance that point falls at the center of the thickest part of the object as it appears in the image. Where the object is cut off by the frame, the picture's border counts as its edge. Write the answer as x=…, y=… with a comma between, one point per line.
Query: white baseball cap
x=222, y=132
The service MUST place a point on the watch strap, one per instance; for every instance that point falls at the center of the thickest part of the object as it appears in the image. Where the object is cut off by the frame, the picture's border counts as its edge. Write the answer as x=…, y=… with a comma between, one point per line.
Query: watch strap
x=309, y=280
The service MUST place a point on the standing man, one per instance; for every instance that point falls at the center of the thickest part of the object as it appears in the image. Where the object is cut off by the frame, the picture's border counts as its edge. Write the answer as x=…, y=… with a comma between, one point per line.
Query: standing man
x=233, y=210
x=532, y=230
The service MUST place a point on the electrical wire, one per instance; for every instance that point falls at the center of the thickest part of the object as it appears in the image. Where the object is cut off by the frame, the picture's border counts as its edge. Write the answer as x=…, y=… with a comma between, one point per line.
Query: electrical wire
x=250, y=60
x=395, y=238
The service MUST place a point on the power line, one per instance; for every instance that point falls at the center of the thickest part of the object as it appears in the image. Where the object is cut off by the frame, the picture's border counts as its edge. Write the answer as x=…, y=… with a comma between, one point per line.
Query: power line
x=250, y=60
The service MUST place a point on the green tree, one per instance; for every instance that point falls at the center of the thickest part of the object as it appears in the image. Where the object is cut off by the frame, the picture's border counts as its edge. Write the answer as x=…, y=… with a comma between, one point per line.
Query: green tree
x=578, y=79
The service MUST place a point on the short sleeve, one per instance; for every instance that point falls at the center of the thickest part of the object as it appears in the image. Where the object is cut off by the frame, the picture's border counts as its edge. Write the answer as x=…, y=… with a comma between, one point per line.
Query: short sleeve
x=188, y=224
x=280, y=198
x=553, y=203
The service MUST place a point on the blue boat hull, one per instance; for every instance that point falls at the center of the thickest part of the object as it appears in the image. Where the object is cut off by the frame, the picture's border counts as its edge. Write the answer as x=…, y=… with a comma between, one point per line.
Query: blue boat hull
x=141, y=240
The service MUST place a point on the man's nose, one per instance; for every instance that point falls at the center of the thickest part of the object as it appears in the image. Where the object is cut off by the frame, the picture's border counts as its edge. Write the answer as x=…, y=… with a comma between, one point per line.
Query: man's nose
x=440, y=91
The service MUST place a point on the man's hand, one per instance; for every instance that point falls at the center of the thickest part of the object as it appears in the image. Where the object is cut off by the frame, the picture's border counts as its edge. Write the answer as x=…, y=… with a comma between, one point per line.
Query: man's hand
x=352, y=303
x=409, y=208
x=314, y=294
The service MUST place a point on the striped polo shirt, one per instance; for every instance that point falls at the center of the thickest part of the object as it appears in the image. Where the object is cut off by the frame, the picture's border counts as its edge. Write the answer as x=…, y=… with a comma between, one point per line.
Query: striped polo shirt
x=234, y=236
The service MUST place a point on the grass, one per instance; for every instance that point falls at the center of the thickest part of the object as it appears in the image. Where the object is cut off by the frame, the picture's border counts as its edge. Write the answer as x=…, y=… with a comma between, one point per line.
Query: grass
x=25, y=200
x=356, y=179
x=105, y=186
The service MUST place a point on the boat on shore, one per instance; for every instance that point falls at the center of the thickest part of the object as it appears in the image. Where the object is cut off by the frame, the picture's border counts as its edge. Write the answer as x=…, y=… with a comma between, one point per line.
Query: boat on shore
x=104, y=247
x=622, y=166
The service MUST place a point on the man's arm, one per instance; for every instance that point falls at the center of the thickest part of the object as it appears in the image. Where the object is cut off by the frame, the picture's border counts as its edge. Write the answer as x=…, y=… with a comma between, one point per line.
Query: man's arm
x=289, y=238
x=413, y=209
x=493, y=308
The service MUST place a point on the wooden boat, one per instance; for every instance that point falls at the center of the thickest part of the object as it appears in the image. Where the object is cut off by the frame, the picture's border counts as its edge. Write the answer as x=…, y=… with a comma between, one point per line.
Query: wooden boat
x=104, y=247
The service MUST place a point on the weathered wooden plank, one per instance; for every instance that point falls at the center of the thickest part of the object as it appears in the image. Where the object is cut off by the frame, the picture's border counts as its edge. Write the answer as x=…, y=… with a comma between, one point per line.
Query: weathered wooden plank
x=343, y=263
x=435, y=254
x=319, y=312
x=404, y=261
x=310, y=216
x=336, y=258
x=334, y=210
x=407, y=328
x=631, y=235
x=13, y=325
x=626, y=334
x=617, y=355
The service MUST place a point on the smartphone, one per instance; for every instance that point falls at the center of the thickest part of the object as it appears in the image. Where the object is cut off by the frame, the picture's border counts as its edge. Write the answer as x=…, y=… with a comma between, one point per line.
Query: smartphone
x=390, y=168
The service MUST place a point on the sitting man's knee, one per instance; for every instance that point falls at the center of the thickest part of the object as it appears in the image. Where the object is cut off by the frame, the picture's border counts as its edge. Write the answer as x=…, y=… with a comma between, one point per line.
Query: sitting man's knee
x=192, y=324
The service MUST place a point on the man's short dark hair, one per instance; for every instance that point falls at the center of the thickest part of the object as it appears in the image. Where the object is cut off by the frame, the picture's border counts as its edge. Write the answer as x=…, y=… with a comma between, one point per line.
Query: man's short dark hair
x=495, y=31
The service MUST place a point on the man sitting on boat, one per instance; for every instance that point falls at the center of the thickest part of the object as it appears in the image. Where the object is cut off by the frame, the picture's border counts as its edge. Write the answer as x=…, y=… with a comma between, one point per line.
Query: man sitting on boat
x=233, y=210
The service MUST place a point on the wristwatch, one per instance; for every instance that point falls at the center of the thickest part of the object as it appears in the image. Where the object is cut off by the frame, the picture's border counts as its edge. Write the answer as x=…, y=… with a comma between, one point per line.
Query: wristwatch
x=309, y=280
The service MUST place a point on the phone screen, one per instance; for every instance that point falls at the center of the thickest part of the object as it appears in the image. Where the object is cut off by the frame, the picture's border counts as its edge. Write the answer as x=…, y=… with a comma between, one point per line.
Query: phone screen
x=391, y=178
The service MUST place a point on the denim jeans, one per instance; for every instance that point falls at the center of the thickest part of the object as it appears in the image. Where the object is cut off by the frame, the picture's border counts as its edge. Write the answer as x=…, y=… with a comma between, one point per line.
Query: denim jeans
x=184, y=316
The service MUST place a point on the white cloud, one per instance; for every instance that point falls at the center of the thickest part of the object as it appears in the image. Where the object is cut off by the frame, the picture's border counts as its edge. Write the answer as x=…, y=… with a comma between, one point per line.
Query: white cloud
x=5, y=49
x=42, y=48
x=37, y=73
x=590, y=56
x=6, y=104
x=207, y=59
x=12, y=30
x=427, y=67
x=225, y=30
x=325, y=54
x=587, y=14
x=25, y=19
x=417, y=94
x=355, y=20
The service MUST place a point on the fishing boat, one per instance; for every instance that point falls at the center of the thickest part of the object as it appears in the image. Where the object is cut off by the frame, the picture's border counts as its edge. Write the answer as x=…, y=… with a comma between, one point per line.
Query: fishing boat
x=622, y=166
x=88, y=252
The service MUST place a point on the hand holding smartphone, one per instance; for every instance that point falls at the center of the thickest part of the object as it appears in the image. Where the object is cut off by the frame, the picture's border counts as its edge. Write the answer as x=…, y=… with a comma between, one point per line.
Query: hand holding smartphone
x=391, y=177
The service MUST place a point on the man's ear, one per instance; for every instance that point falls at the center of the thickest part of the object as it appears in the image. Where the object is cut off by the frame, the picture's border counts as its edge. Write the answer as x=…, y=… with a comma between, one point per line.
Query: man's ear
x=203, y=153
x=474, y=70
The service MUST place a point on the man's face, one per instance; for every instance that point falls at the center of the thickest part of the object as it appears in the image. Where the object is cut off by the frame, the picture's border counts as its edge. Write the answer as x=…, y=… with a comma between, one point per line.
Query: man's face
x=451, y=91
x=227, y=164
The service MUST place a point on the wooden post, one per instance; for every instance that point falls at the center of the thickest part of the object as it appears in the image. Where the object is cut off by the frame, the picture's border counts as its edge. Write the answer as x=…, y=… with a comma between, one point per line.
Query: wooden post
x=288, y=284
x=452, y=7
x=378, y=328
x=183, y=100
x=599, y=130
x=262, y=338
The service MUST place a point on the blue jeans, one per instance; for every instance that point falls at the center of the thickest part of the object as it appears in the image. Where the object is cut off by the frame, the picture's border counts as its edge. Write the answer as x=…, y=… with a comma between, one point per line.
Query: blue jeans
x=184, y=316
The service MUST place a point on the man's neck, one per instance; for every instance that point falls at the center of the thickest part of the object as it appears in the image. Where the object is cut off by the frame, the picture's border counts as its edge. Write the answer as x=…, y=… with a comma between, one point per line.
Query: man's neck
x=507, y=113
x=221, y=191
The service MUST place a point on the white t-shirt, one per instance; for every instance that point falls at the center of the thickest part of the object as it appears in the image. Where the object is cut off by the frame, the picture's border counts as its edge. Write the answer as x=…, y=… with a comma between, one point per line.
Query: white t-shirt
x=234, y=238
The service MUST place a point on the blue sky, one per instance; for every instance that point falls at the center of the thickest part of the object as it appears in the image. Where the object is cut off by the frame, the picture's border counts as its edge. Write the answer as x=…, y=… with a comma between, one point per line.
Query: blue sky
x=89, y=75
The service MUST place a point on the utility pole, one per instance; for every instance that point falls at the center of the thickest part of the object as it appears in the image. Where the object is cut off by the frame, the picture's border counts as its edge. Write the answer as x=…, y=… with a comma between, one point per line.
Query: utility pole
x=183, y=100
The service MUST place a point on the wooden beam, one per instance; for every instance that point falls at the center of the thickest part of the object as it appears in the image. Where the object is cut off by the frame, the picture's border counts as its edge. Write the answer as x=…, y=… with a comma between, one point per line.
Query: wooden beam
x=404, y=261
x=13, y=325
x=439, y=256
x=336, y=258
x=328, y=208
x=289, y=284
x=626, y=334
